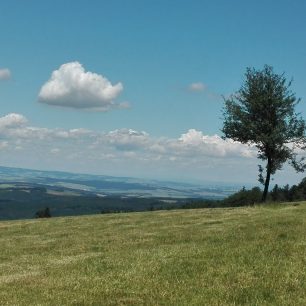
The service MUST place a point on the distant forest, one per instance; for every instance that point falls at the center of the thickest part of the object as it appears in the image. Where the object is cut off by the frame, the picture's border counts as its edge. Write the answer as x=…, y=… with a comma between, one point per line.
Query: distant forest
x=254, y=196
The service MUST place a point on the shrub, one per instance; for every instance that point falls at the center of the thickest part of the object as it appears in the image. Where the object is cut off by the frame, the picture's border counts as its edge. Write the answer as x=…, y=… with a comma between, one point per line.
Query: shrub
x=43, y=213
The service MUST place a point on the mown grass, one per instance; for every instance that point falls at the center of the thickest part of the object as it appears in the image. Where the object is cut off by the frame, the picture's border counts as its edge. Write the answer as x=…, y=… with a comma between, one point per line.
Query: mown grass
x=241, y=256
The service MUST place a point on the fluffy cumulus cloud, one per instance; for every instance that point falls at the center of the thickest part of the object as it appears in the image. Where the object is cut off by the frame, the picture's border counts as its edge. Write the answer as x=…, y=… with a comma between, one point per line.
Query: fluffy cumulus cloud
x=197, y=87
x=71, y=86
x=5, y=74
x=12, y=121
x=214, y=145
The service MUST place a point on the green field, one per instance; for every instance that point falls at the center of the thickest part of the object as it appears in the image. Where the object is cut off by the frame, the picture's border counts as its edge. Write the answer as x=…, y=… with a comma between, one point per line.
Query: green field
x=239, y=256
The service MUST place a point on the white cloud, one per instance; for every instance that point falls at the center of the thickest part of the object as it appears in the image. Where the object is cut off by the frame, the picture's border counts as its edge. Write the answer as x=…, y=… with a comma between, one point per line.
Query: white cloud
x=192, y=137
x=5, y=74
x=132, y=151
x=72, y=133
x=70, y=86
x=214, y=145
x=55, y=151
x=3, y=145
x=128, y=139
x=12, y=121
x=193, y=143
x=197, y=87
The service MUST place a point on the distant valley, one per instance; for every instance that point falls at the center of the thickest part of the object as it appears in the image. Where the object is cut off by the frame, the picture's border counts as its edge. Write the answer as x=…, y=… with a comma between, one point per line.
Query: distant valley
x=24, y=191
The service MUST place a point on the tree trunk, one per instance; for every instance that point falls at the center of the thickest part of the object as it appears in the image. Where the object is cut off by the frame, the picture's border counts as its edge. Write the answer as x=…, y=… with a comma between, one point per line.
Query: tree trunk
x=267, y=181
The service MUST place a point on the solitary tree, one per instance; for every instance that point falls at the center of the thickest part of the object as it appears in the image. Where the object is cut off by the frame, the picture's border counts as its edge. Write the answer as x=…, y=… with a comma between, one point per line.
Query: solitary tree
x=262, y=113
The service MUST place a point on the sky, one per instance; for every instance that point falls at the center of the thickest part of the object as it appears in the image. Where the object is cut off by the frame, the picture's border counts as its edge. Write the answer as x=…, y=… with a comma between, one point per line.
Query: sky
x=134, y=88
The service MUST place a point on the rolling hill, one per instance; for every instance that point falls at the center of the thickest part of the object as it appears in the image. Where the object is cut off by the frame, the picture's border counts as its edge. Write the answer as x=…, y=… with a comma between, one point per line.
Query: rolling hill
x=239, y=256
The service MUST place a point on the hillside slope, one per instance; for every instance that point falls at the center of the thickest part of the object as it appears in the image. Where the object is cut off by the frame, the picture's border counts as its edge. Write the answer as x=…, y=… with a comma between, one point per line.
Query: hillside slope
x=241, y=256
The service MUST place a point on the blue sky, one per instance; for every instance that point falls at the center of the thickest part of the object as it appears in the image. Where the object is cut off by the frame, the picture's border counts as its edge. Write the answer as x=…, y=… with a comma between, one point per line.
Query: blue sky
x=156, y=50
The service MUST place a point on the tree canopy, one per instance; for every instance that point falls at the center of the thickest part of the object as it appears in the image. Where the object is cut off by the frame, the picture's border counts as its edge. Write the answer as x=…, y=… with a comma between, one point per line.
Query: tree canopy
x=262, y=113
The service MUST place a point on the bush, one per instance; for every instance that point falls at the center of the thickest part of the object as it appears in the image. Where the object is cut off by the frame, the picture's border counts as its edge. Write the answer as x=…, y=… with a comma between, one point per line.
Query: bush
x=43, y=213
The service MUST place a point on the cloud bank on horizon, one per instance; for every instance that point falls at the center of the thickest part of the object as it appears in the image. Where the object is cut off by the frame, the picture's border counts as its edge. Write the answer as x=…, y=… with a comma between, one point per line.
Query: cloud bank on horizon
x=74, y=147
x=71, y=86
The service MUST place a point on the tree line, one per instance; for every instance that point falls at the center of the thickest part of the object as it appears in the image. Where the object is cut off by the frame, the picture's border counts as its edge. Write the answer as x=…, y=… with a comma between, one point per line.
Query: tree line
x=253, y=196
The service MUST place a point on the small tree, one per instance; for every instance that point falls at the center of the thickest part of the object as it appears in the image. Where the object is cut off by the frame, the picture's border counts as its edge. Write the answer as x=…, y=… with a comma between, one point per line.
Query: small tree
x=262, y=113
x=275, y=193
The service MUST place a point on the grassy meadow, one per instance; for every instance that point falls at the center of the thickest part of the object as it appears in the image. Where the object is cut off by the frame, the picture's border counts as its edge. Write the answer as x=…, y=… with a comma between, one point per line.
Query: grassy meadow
x=238, y=256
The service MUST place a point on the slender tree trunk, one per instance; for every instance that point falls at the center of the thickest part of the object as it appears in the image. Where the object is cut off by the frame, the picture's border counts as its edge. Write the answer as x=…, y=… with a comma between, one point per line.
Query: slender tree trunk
x=267, y=181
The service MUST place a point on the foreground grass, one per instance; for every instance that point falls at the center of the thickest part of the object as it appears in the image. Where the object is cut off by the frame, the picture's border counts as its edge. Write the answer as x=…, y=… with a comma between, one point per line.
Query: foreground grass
x=241, y=256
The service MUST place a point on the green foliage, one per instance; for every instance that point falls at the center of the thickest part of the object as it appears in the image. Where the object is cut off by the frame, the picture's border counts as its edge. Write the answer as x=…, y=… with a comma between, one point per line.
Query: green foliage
x=243, y=198
x=250, y=197
x=289, y=194
x=275, y=194
x=262, y=113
